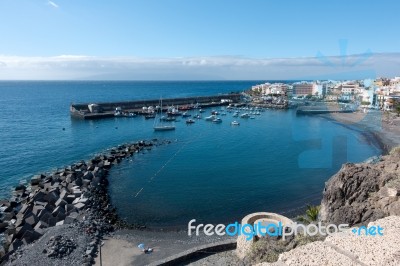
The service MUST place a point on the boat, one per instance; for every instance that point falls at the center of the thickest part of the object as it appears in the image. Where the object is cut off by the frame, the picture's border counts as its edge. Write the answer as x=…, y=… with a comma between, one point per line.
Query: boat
x=129, y=114
x=150, y=116
x=172, y=111
x=185, y=114
x=245, y=115
x=118, y=111
x=223, y=113
x=235, y=115
x=252, y=117
x=197, y=116
x=190, y=121
x=168, y=118
x=210, y=118
x=213, y=112
x=235, y=123
x=201, y=110
x=185, y=108
x=160, y=126
x=217, y=120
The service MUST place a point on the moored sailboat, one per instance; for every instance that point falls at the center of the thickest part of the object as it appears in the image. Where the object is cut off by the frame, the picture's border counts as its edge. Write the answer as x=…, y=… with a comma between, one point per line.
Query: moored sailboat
x=160, y=126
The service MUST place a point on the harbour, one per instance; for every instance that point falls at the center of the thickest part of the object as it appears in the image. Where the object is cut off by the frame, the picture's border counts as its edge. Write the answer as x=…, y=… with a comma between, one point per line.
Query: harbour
x=145, y=107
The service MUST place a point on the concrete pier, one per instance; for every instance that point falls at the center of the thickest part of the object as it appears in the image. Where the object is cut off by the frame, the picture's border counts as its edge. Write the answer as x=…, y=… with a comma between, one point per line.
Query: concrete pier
x=106, y=109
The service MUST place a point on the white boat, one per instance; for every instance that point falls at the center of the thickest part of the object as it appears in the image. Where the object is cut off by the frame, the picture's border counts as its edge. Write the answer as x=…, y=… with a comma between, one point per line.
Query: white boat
x=118, y=111
x=164, y=128
x=172, y=111
x=210, y=118
x=217, y=120
x=235, y=115
x=161, y=126
x=235, y=123
x=245, y=115
x=252, y=117
x=185, y=114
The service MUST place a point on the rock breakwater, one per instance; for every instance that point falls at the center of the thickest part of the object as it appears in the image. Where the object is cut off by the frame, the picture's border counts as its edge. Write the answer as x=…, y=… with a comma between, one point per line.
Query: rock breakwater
x=76, y=195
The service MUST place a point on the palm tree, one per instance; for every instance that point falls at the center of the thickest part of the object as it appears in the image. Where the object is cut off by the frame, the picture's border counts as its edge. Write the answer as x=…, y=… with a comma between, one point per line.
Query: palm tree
x=311, y=215
x=312, y=212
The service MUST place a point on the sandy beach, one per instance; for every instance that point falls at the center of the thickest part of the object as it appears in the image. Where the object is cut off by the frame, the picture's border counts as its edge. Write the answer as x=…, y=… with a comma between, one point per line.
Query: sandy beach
x=121, y=248
x=383, y=127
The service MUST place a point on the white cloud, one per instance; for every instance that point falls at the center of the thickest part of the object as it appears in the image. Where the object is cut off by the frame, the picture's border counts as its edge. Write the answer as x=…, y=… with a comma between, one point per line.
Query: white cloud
x=51, y=3
x=223, y=67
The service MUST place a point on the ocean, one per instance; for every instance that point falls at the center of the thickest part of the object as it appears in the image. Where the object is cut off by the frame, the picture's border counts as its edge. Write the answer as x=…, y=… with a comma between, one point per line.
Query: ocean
x=276, y=162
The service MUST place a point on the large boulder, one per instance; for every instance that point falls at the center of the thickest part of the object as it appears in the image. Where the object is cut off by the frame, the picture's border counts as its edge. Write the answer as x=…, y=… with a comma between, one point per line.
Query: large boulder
x=361, y=193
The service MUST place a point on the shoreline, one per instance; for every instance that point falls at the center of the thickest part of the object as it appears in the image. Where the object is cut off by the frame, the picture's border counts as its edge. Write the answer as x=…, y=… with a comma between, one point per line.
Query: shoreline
x=380, y=133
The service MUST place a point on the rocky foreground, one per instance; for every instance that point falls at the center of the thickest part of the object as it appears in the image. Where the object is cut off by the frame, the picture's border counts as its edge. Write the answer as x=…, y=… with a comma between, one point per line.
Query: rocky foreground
x=70, y=208
x=364, y=192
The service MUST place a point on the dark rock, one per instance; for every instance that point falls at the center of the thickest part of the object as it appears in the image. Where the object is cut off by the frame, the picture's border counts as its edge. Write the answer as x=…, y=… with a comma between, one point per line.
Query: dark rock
x=88, y=175
x=3, y=226
x=69, y=208
x=37, y=233
x=7, y=216
x=31, y=219
x=20, y=231
x=2, y=252
x=15, y=245
x=36, y=209
x=41, y=225
x=28, y=237
x=42, y=214
x=359, y=193
x=20, y=187
x=58, y=210
x=36, y=180
x=60, y=203
x=78, y=182
x=39, y=196
x=52, y=196
x=70, y=198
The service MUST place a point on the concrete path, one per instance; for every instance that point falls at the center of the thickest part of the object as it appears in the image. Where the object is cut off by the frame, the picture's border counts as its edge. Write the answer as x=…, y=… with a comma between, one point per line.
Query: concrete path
x=121, y=249
x=349, y=249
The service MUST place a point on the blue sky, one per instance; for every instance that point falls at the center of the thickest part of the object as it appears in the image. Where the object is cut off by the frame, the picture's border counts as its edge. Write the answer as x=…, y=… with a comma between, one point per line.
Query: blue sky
x=128, y=33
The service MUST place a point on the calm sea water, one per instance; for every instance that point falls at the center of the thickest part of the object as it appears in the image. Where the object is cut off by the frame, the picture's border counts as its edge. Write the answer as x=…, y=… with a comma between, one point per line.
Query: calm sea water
x=210, y=172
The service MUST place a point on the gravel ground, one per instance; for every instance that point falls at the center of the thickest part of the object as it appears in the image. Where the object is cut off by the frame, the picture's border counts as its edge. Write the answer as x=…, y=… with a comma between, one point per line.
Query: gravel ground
x=163, y=243
x=33, y=254
x=221, y=258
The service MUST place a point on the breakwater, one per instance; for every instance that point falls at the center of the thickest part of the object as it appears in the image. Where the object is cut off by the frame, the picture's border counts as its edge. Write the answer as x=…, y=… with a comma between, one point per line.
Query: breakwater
x=106, y=109
x=76, y=194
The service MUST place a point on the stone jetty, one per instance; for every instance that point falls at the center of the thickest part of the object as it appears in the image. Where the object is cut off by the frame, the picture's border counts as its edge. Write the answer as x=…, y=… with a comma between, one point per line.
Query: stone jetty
x=75, y=194
x=107, y=109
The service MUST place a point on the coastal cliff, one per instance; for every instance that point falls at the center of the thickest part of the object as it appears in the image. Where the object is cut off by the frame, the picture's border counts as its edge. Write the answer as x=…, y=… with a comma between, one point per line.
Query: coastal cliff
x=363, y=192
